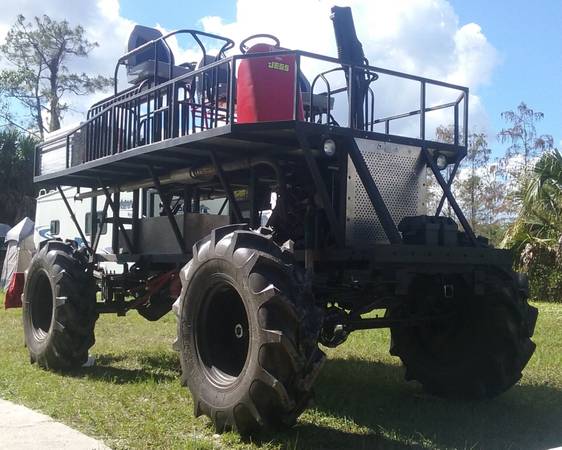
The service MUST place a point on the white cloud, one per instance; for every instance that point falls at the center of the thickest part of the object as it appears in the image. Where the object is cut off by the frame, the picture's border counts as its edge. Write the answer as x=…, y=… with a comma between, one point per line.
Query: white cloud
x=103, y=24
x=422, y=37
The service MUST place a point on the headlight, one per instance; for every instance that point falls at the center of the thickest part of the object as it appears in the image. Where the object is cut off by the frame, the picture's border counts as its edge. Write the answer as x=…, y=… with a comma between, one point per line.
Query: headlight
x=441, y=161
x=329, y=147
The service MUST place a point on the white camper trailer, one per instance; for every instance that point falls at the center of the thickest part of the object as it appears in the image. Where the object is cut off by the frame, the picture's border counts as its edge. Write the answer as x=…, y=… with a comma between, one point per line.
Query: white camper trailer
x=52, y=219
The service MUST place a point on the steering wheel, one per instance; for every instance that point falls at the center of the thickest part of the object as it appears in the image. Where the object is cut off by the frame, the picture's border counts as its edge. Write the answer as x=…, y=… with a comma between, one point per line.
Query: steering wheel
x=244, y=48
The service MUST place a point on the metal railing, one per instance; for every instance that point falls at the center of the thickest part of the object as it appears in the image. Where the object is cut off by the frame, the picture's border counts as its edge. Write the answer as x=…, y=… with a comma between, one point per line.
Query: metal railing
x=205, y=98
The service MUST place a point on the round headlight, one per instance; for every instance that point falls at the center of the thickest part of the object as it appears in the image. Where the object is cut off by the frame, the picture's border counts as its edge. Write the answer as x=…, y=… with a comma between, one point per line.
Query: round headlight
x=329, y=147
x=441, y=162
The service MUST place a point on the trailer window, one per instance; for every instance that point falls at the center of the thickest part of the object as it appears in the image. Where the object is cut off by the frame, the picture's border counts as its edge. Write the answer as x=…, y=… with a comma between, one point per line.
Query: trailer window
x=88, y=222
x=55, y=227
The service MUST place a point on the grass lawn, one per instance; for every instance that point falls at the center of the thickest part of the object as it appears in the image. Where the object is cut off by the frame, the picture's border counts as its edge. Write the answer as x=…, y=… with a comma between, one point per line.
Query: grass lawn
x=132, y=397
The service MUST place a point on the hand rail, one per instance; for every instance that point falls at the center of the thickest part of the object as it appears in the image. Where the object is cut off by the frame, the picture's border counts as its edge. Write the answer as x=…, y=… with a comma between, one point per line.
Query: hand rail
x=117, y=126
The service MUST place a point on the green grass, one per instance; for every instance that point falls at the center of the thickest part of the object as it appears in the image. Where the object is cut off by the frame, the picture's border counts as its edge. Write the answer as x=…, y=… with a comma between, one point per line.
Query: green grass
x=132, y=397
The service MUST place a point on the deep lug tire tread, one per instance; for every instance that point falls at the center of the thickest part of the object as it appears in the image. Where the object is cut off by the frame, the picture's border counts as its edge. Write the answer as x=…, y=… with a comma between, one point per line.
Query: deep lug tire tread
x=494, y=356
x=283, y=364
x=73, y=288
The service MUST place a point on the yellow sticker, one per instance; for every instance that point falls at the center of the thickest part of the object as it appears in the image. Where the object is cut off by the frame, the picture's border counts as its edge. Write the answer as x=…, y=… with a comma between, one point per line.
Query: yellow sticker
x=278, y=66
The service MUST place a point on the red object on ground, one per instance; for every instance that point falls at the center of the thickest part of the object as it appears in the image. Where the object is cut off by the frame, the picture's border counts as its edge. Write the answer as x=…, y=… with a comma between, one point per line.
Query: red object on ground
x=15, y=290
x=266, y=87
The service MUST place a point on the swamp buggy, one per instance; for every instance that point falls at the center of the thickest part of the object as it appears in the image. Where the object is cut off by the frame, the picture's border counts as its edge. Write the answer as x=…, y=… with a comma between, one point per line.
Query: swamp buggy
x=321, y=220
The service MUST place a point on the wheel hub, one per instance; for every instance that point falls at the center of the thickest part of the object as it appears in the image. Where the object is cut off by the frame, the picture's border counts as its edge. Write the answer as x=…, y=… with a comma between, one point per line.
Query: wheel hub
x=222, y=334
x=238, y=331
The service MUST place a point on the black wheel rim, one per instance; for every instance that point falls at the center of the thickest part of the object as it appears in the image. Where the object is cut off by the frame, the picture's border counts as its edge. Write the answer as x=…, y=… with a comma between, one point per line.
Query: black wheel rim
x=41, y=306
x=222, y=334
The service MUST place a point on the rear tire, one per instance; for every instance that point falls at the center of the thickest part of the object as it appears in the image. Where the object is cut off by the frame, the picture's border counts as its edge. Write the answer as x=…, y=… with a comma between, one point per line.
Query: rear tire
x=59, y=308
x=478, y=354
x=248, y=332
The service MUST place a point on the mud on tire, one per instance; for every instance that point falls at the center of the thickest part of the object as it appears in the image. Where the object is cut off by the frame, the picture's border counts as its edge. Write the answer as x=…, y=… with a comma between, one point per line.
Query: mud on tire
x=59, y=312
x=248, y=332
x=478, y=354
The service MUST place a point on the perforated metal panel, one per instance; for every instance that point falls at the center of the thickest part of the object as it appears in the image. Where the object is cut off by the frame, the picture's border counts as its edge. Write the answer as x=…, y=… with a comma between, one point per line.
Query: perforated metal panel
x=400, y=175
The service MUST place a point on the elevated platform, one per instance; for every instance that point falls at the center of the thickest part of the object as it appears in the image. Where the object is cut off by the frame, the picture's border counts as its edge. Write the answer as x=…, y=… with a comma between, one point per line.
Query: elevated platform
x=174, y=124
x=232, y=141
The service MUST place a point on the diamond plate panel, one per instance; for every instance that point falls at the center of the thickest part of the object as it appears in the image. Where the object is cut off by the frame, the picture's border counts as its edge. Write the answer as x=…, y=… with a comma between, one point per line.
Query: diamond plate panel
x=400, y=175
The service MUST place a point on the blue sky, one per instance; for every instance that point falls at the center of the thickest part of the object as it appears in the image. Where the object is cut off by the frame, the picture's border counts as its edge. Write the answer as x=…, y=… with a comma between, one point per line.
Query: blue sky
x=525, y=34
x=513, y=55
x=528, y=38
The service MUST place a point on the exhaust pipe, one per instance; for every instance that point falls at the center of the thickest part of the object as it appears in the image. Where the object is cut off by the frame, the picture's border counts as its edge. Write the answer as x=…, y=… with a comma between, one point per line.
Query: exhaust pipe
x=192, y=175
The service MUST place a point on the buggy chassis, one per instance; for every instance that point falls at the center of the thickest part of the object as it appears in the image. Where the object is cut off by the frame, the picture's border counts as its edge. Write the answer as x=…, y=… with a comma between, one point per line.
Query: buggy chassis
x=181, y=139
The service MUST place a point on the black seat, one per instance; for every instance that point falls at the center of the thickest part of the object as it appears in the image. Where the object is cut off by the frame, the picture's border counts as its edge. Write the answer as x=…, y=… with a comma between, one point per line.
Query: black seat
x=141, y=65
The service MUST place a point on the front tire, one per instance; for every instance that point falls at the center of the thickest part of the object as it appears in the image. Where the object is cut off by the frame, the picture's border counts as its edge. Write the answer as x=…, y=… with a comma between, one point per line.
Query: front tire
x=59, y=308
x=248, y=332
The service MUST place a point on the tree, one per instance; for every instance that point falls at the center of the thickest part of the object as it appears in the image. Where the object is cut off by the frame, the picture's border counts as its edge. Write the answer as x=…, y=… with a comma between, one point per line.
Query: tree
x=536, y=234
x=470, y=181
x=39, y=78
x=17, y=193
x=523, y=139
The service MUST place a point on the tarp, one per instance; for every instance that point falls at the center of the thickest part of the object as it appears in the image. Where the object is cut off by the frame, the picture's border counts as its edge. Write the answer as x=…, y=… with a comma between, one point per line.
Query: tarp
x=19, y=252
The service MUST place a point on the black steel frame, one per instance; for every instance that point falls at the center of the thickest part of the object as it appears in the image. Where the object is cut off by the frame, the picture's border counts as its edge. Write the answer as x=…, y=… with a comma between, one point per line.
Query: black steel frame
x=165, y=113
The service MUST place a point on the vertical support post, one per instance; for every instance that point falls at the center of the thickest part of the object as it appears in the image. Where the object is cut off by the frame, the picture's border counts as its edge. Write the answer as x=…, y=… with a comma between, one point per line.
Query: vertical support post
x=231, y=91
x=168, y=211
x=465, y=119
x=196, y=201
x=67, y=151
x=94, y=215
x=102, y=222
x=187, y=198
x=335, y=226
x=296, y=87
x=135, y=221
x=174, y=125
x=456, y=124
x=309, y=239
x=234, y=207
x=252, y=199
x=144, y=201
x=422, y=110
x=116, y=207
x=350, y=96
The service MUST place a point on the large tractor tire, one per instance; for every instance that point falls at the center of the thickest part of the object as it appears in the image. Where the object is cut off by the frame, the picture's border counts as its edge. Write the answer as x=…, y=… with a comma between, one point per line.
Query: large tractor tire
x=480, y=351
x=59, y=308
x=248, y=332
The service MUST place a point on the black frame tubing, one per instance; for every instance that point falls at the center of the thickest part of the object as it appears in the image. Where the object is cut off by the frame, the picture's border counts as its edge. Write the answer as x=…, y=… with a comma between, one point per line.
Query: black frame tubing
x=227, y=188
x=335, y=225
x=449, y=184
x=73, y=217
x=171, y=218
x=450, y=197
x=116, y=220
x=100, y=229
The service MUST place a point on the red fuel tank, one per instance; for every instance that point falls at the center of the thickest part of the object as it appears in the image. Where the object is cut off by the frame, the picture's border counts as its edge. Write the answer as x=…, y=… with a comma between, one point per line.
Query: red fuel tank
x=265, y=87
